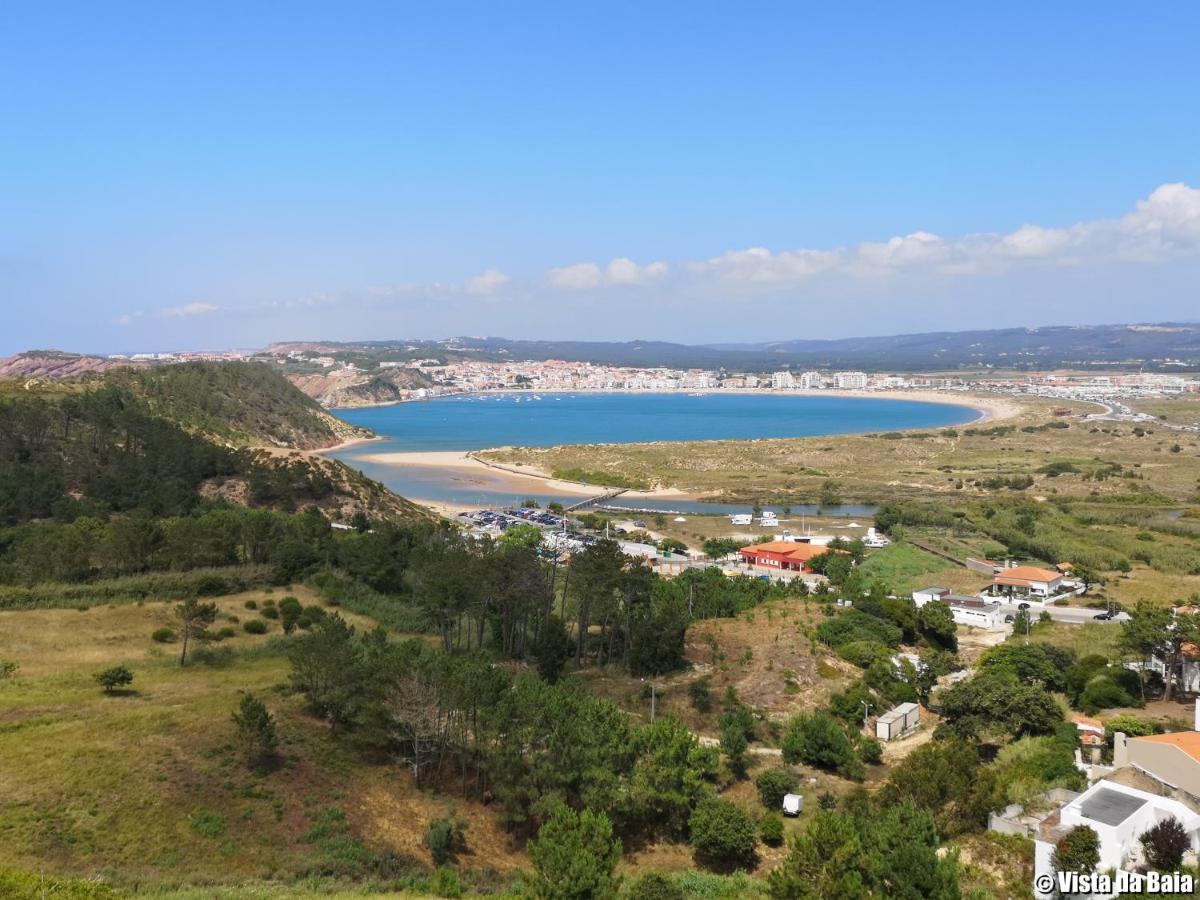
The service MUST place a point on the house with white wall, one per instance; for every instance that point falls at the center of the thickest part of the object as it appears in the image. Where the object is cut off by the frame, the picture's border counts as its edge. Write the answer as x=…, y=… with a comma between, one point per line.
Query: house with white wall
x=1119, y=815
x=970, y=611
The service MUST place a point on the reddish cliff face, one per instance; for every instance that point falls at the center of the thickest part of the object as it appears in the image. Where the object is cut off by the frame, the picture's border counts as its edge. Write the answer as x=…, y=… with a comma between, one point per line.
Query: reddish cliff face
x=57, y=365
x=367, y=389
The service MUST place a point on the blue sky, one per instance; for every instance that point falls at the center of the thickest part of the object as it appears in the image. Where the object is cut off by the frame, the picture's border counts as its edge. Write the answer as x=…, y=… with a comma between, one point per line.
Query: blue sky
x=206, y=175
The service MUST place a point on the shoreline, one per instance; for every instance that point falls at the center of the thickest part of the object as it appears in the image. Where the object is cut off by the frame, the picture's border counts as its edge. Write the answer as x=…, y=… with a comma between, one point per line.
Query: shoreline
x=510, y=479
x=515, y=478
x=988, y=406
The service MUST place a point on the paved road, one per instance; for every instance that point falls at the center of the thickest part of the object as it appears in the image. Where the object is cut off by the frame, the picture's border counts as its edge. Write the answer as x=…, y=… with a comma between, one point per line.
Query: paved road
x=1070, y=615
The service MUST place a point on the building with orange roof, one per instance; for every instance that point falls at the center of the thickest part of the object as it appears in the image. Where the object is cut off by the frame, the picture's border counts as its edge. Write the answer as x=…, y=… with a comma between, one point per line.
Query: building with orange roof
x=1091, y=731
x=1172, y=759
x=785, y=556
x=1027, y=581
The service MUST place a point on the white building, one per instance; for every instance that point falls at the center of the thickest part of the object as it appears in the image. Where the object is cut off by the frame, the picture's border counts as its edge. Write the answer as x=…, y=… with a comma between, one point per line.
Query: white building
x=970, y=611
x=1119, y=815
x=898, y=722
x=850, y=381
x=783, y=381
x=812, y=380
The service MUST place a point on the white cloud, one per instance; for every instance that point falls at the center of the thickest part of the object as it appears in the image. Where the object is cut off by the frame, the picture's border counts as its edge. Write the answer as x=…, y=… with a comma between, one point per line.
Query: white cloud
x=579, y=277
x=188, y=309
x=486, y=282
x=758, y=264
x=1164, y=225
x=625, y=271
x=129, y=318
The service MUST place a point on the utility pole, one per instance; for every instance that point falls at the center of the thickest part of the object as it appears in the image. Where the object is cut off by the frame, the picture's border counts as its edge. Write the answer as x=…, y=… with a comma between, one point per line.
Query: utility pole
x=866, y=711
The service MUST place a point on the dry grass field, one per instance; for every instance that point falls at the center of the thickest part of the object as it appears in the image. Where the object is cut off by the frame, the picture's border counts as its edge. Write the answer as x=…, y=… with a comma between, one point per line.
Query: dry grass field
x=146, y=787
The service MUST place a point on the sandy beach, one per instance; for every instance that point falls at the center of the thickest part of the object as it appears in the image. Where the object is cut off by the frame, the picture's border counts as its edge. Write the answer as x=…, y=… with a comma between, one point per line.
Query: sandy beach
x=513, y=478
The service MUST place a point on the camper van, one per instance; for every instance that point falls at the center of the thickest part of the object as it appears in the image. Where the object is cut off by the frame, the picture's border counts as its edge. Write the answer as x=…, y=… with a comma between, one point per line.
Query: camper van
x=740, y=519
x=769, y=519
x=792, y=804
x=874, y=540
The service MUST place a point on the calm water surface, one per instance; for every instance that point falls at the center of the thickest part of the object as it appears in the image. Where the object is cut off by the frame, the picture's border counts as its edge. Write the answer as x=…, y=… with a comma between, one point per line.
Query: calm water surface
x=542, y=420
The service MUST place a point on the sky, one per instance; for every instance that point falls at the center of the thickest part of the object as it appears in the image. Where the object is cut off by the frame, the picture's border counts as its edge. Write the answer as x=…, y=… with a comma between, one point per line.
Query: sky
x=219, y=175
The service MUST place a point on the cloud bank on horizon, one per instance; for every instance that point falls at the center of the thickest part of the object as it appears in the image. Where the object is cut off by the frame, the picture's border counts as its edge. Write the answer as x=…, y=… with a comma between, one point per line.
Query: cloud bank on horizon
x=1161, y=231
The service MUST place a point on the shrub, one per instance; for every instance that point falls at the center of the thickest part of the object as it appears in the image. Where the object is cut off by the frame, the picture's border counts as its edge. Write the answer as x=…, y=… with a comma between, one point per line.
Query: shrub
x=1104, y=693
x=1077, y=851
x=444, y=838
x=772, y=785
x=207, y=823
x=115, y=677
x=1129, y=725
x=7, y=668
x=255, y=626
x=163, y=635
x=574, y=855
x=225, y=633
x=870, y=751
x=445, y=883
x=700, y=693
x=251, y=604
x=255, y=731
x=655, y=886
x=722, y=834
x=820, y=740
x=770, y=829
x=1164, y=845
x=270, y=612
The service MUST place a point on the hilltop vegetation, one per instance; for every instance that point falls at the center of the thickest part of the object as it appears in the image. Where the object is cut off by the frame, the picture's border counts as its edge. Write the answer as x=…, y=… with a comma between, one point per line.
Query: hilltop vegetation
x=239, y=403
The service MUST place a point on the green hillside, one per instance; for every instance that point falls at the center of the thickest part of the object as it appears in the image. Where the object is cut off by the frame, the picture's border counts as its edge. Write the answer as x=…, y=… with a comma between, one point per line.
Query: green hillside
x=238, y=403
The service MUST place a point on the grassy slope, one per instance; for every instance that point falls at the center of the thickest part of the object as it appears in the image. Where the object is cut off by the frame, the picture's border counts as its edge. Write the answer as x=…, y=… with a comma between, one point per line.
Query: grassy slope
x=131, y=786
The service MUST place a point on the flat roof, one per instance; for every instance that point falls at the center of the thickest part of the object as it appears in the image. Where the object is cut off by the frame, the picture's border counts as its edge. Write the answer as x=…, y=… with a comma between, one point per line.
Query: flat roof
x=1110, y=807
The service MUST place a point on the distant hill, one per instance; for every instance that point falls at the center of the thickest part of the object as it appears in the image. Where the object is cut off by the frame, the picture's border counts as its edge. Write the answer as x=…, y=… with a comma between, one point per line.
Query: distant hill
x=1165, y=346
x=238, y=403
x=167, y=438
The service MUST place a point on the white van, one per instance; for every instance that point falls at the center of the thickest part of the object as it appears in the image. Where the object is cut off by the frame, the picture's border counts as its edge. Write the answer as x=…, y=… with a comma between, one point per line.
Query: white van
x=792, y=804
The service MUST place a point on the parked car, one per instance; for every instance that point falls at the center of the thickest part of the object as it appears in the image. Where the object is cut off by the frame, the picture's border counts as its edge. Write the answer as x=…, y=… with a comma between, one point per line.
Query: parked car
x=1008, y=620
x=1022, y=606
x=1103, y=617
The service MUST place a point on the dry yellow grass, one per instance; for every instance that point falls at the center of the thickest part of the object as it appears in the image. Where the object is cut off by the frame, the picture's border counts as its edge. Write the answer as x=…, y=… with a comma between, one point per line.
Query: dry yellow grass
x=147, y=786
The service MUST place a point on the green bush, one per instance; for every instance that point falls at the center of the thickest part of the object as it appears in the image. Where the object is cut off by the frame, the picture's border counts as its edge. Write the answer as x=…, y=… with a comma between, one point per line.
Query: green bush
x=226, y=632
x=207, y=823
x=821, y=740
x=770, y=829
x=444, y=838
x=1130, y=725
x=251, y=604
x=214, y=582
x=255, y=626
x=722, y=834
x=655, y=886
x=700, y=693
x=163, y=635
x=115, y=677
x=270, y=612
x=772, y=785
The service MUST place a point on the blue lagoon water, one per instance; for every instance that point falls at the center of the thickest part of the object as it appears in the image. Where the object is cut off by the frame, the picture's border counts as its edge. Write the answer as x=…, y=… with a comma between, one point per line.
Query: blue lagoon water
x=474, y=422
